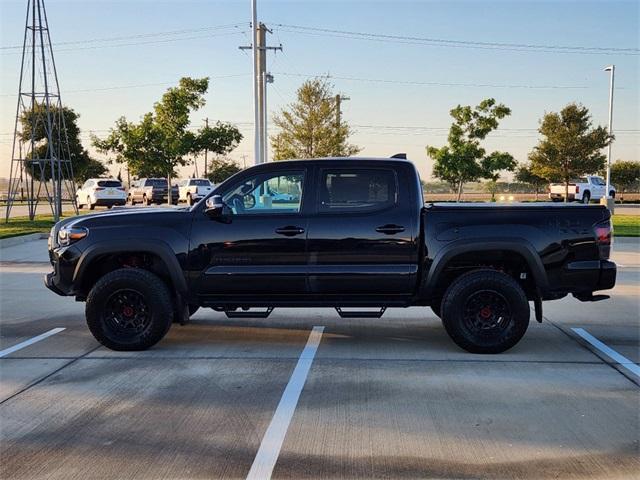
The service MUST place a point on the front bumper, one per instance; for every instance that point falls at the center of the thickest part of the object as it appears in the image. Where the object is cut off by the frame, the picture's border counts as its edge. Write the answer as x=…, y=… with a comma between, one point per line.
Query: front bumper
x=64, y=261
x=163, y=198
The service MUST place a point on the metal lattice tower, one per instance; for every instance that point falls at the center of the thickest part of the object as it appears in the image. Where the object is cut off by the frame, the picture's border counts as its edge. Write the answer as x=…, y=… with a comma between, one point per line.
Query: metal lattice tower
x=40, y=159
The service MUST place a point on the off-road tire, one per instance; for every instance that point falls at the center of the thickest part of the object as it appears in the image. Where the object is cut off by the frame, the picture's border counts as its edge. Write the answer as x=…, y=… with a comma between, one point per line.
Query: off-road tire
x=150, y=288
x=457, y=311
x=586, y=197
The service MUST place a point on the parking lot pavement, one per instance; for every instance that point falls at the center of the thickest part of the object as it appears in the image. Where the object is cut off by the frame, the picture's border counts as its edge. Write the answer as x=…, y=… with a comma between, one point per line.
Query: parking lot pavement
x=387, y=398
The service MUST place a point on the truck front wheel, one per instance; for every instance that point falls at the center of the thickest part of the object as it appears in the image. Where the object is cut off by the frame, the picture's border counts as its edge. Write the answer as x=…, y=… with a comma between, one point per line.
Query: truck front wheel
x=485, y=311
x=129, y=309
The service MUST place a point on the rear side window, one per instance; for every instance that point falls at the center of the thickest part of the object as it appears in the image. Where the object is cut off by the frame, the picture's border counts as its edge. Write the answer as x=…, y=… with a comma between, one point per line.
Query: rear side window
x=109, y=183
x=357, y=189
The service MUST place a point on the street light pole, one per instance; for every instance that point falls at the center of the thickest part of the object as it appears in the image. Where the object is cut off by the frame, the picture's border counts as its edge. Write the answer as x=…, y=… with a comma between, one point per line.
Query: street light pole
x=612, y=69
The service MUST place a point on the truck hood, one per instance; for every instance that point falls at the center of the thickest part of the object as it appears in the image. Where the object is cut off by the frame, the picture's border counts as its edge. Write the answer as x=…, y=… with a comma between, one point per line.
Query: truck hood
x=121, y=216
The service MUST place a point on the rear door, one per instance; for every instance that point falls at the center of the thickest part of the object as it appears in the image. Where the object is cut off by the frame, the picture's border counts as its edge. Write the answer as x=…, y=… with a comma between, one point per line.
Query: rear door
x=362, y=235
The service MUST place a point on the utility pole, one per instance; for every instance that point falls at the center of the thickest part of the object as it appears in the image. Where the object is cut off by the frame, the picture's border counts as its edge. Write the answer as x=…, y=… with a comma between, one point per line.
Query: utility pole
x=206, y=151
x=612, y=69
x=339, y=100
x=261, y=78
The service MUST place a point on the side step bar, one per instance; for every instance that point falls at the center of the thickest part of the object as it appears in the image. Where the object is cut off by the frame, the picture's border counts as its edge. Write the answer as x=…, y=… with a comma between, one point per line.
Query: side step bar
x=341, y=312
x=249, y=313
x=361, y=314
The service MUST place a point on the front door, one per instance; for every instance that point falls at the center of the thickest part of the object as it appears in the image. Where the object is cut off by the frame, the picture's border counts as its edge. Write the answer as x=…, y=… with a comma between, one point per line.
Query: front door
x=258, y=247
x=362, y=235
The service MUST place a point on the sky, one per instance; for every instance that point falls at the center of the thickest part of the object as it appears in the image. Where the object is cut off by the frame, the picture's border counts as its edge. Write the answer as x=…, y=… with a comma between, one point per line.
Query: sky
x=116, y=58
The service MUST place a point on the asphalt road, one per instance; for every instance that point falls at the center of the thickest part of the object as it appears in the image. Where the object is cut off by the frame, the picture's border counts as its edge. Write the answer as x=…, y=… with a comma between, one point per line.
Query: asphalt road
x=386, y=398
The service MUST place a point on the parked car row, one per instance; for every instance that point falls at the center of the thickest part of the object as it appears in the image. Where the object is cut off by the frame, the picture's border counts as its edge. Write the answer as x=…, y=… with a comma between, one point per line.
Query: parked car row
x=108, y=192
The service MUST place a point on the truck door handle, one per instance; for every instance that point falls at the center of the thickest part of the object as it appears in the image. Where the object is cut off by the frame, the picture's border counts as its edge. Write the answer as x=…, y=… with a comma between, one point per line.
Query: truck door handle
x=289, y=231
x=390, y=229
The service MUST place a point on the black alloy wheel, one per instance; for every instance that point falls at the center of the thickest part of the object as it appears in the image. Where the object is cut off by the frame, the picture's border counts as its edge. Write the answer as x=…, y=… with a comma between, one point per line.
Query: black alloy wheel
x=129, y=309
x=485, y=311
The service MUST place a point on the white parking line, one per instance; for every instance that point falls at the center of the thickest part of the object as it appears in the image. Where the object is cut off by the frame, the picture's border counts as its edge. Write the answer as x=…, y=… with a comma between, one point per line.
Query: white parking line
x=269, y=450
x=31, y=341
x=609, y=352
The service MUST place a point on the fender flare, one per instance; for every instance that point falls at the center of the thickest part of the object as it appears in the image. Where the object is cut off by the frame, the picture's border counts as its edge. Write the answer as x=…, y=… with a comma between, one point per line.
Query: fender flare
x=155, y=247
x=519, y=246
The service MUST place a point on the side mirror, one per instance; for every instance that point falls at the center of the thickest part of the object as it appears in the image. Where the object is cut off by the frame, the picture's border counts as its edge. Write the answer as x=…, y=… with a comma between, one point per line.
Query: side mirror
x=214, y=206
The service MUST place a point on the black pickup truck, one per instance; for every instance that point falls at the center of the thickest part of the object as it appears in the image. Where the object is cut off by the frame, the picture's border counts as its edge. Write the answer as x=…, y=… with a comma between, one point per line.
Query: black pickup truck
x=343, y=233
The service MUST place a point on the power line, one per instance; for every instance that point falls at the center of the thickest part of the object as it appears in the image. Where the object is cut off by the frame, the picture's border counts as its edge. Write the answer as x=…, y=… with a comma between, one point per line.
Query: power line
x=577, y=49
x=137, y=85
x=149, y=42
x=141, y=35
x=434, y=84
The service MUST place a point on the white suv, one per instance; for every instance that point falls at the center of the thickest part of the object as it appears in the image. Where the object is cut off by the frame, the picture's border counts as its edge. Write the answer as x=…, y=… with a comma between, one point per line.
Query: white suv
x=101, y=191
x=191, y=190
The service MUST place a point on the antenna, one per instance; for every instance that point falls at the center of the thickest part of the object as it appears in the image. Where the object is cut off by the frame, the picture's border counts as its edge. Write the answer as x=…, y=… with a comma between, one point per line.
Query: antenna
x=40, y=156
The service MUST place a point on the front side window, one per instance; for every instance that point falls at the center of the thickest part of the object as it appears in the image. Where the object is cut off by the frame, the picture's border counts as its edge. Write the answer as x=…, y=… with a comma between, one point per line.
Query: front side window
x=269, y=193
x=357, y=190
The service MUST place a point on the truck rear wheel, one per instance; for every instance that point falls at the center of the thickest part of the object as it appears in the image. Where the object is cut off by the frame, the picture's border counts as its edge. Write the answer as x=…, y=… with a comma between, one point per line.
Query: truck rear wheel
x=485, y=311
x=129, y=309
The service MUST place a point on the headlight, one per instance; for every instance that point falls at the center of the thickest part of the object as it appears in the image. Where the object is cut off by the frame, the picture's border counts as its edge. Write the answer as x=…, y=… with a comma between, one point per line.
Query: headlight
x=69, y=235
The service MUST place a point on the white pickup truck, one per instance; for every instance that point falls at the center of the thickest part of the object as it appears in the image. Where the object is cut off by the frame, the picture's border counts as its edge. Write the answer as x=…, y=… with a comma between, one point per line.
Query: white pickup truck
x=191, y=190
x=582, y=189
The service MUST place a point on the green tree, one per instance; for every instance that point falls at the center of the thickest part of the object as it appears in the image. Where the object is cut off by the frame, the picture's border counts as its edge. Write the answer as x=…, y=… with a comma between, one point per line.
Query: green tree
x=625, y=174
x=463, y=159
x=161, y=142
x=219, y=139
x=309, y=127
x=525, y=175
x=221, y=169
x=492, y=187
x=83, y=165
x=571, y=146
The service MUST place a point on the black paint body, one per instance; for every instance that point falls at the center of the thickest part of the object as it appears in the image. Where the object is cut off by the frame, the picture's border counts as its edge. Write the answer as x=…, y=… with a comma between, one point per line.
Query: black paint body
x=405, y=254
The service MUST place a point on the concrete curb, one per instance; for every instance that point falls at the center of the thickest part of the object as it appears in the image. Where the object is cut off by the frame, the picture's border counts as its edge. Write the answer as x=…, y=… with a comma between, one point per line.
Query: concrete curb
x=12, y=241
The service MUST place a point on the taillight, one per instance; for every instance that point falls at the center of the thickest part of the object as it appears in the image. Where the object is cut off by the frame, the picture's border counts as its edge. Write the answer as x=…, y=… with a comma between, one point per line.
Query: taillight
x=577, y=189
x=99, y=188
x=121, y=188
x=604, y=238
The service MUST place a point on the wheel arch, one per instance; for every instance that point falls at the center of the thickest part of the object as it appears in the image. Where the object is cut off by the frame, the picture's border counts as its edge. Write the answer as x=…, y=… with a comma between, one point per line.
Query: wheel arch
x=85, y=272
x=448, y=255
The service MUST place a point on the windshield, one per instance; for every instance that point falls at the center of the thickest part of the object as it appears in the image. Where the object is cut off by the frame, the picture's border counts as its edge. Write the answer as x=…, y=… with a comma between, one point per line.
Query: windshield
x=157, y=182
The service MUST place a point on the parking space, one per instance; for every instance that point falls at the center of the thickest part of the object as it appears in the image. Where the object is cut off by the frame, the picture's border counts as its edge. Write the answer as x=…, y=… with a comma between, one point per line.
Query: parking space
x=385, y=398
